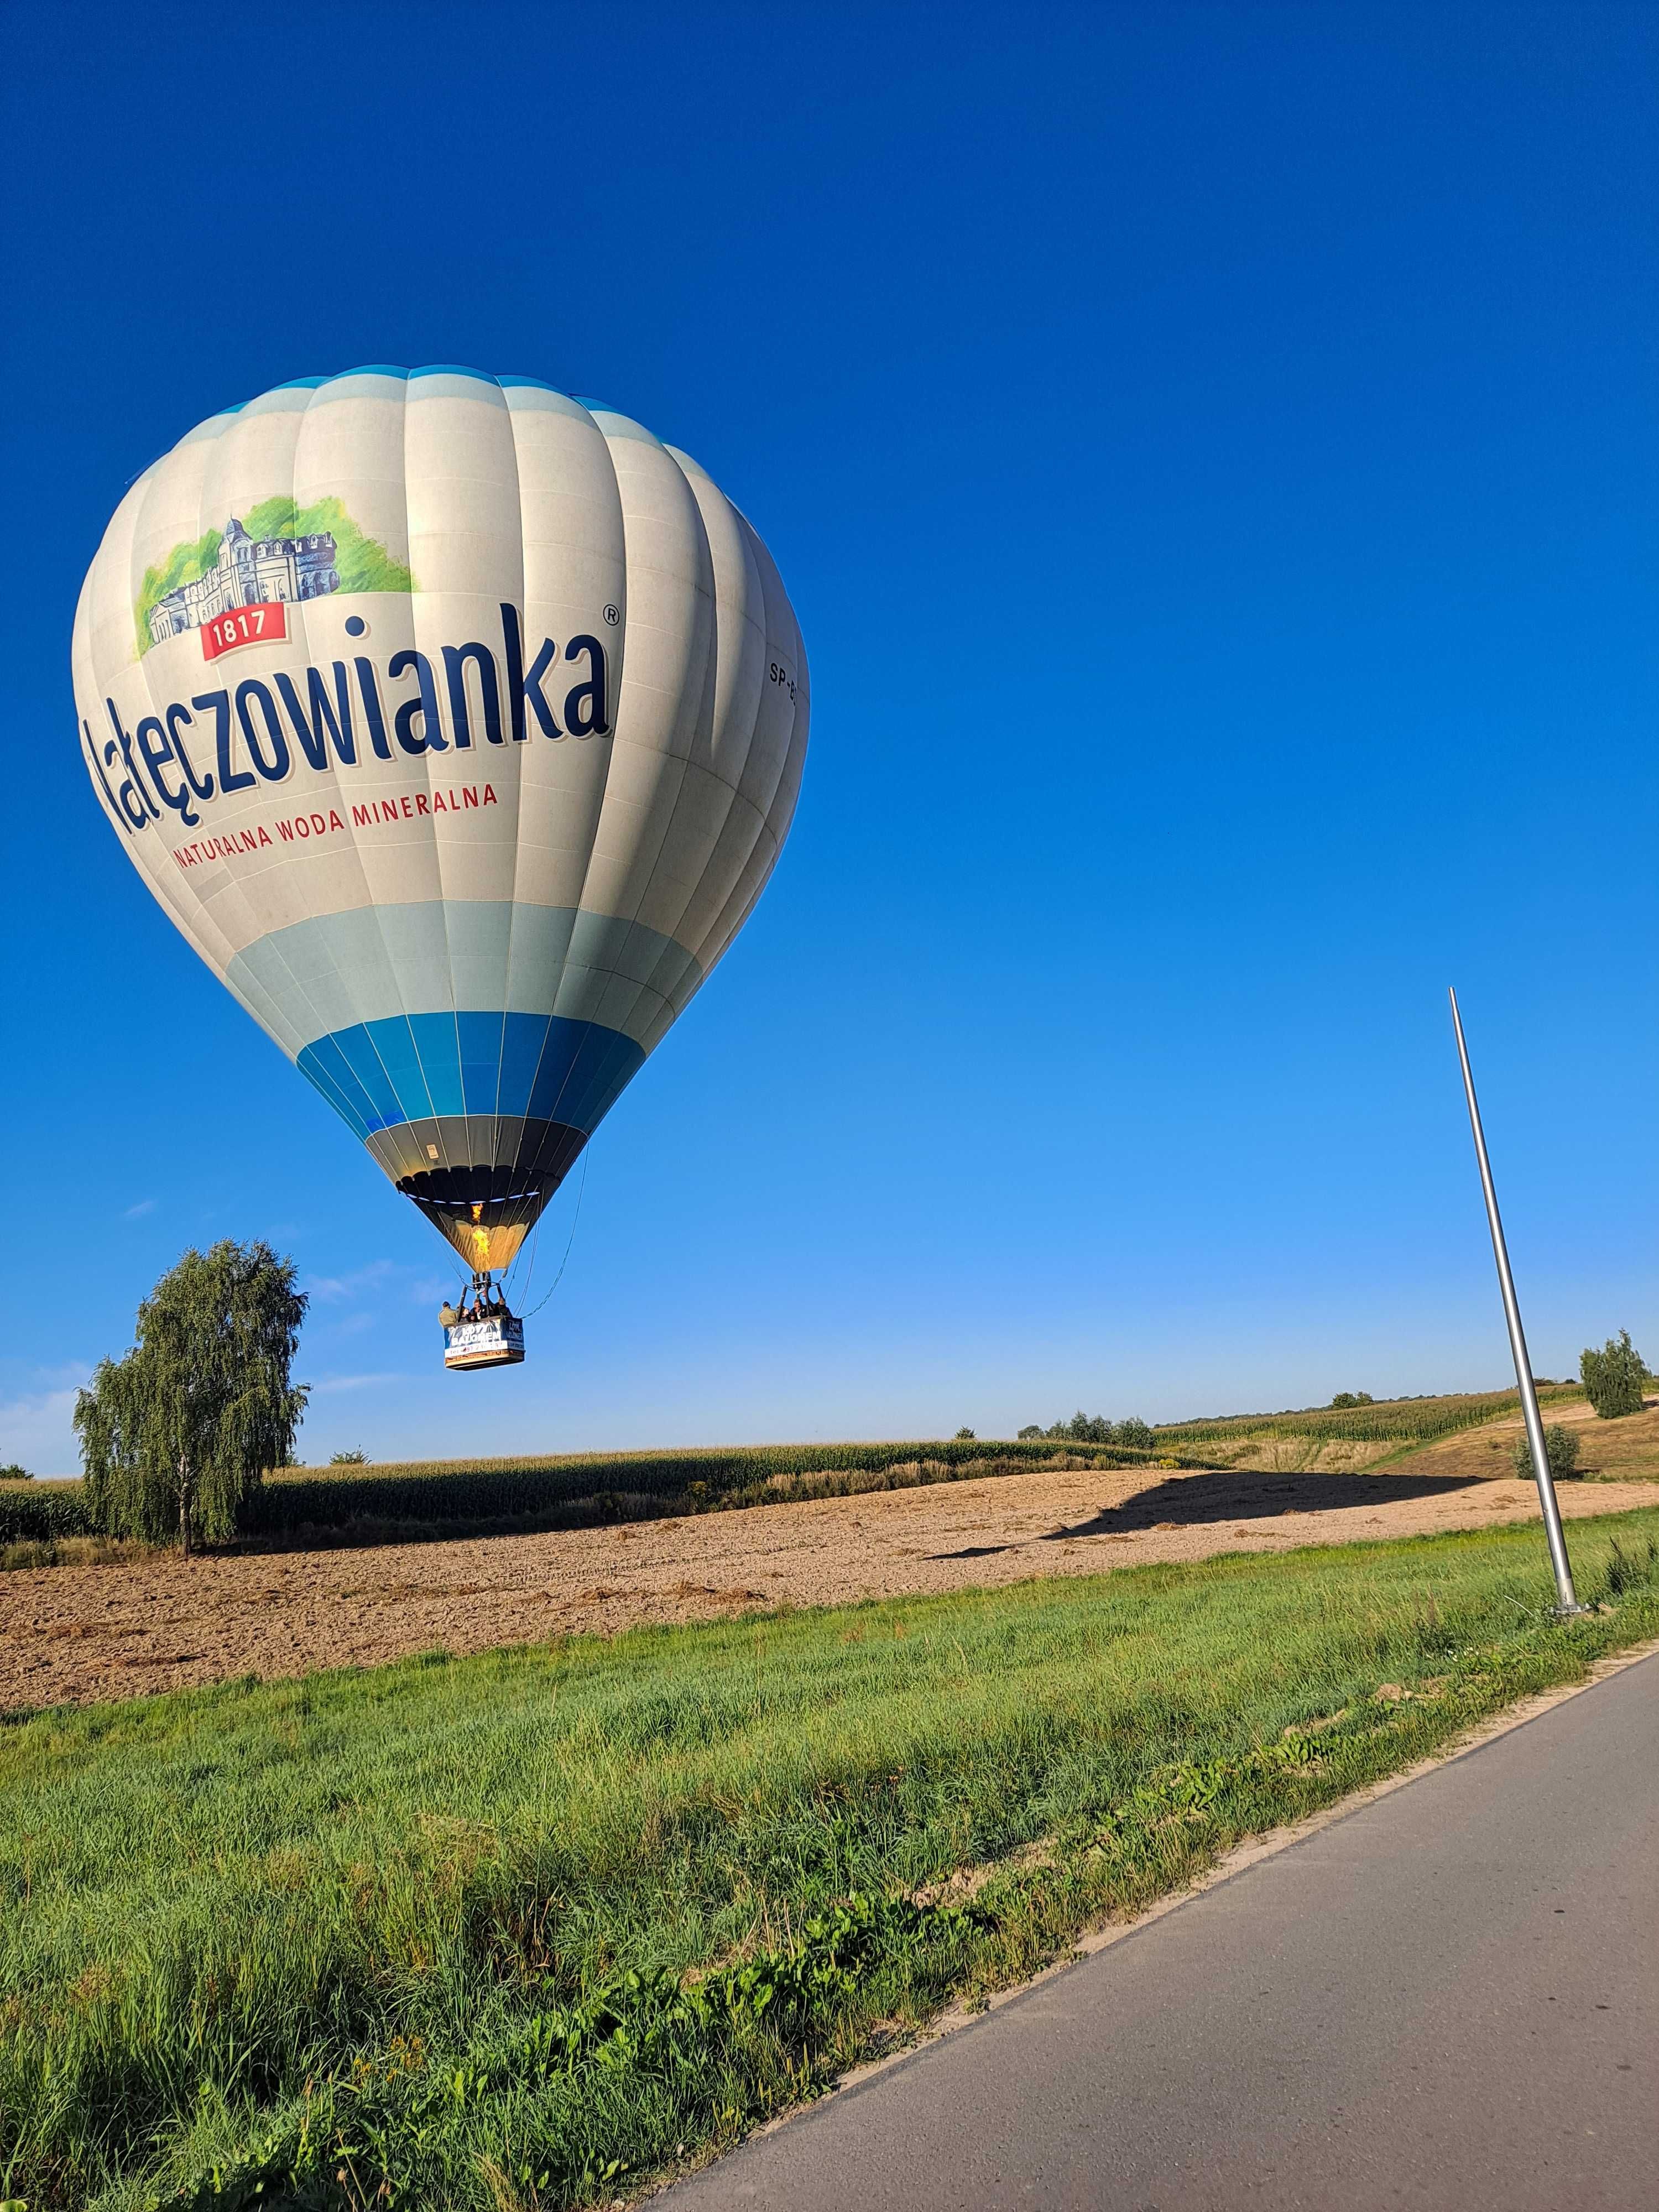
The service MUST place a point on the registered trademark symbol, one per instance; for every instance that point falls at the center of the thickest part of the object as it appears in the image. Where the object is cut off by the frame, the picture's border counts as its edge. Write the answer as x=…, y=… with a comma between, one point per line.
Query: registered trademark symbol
x=613, y=616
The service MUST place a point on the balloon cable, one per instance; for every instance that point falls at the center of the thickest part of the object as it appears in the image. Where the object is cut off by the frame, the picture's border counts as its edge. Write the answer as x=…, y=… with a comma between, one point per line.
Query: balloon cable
x=581, y=1191
x=530, y=1271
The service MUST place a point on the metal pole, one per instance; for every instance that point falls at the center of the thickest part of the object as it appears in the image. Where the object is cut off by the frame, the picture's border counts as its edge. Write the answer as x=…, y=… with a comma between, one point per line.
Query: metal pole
x=1540, y=1465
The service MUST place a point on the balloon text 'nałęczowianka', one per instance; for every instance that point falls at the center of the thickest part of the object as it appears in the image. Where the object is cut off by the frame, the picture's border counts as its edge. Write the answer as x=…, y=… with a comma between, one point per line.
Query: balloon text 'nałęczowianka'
x=246, y=736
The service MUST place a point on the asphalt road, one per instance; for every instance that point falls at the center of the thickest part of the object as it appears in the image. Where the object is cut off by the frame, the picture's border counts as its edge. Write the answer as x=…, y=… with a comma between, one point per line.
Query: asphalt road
x=1448, y=1998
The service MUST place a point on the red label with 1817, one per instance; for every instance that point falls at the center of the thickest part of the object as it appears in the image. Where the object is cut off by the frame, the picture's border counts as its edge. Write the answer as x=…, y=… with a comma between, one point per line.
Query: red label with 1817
x=243, y=626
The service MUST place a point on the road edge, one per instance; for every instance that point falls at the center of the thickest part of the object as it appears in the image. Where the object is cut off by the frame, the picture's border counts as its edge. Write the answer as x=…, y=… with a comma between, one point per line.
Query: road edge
x=1237, y=1861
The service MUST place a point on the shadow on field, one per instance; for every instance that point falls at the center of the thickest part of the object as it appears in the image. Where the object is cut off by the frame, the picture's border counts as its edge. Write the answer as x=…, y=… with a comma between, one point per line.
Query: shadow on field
x=1192, y=1500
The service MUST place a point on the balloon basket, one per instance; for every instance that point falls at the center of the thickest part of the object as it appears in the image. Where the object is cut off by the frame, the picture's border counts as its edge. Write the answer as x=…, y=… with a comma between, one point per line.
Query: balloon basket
x=483, y=1334
x=484, y=1344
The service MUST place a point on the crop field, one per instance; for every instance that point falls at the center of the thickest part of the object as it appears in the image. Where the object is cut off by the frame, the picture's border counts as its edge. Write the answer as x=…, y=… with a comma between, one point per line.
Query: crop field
x=1349, y=1435
x=577, y=1486
x=526, y=1930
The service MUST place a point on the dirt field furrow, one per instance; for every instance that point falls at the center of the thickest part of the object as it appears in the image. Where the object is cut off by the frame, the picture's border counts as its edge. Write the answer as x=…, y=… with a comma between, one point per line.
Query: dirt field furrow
x=72, y=1634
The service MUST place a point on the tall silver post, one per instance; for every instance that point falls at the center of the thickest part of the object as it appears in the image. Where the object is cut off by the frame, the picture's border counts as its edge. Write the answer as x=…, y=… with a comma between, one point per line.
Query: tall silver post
x=1530, y=1414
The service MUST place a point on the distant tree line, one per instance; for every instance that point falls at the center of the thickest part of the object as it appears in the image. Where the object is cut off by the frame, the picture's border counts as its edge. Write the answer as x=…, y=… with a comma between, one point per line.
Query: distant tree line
x=1095, y=1429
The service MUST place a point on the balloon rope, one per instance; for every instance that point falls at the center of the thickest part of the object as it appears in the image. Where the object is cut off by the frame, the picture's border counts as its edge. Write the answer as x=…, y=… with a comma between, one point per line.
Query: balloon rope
x=581, y=1191
x=530, y=1271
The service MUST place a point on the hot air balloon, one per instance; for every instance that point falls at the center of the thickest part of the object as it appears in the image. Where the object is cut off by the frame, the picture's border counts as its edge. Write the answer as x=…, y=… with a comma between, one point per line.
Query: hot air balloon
x=457, y=725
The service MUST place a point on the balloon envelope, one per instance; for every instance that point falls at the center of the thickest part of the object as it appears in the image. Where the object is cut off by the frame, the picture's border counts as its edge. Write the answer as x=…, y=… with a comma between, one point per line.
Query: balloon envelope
x=457, y=725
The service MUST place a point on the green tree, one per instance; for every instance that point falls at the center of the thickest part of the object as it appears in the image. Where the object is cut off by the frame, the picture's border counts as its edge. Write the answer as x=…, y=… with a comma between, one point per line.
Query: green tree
x=1345, y=1401
x=1614, y=1377
x=1095, y=1429
x=1561, y=1449
x=1089, y=1428
x=276, y=517
x=174, y=1435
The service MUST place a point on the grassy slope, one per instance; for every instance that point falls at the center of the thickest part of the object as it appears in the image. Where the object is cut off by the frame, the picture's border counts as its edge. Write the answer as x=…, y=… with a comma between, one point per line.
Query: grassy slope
x=1623, y=1450
x=1356, y=1436
x=432, y=1927
x=1384, y=1419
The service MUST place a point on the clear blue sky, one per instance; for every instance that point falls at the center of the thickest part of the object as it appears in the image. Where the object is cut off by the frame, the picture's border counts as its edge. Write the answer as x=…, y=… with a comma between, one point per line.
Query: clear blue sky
x=1211, y=453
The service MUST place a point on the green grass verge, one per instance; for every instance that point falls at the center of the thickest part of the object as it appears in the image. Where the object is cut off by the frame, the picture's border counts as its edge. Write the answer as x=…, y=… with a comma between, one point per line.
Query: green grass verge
x=522, y=1929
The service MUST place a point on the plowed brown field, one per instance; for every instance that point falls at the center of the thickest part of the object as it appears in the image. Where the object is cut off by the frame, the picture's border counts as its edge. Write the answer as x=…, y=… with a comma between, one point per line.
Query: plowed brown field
x=72, y=1634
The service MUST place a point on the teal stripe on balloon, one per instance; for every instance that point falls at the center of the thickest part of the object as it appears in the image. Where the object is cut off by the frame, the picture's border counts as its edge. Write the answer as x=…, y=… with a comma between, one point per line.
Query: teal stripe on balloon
x=315, y=978
x=415, y=1067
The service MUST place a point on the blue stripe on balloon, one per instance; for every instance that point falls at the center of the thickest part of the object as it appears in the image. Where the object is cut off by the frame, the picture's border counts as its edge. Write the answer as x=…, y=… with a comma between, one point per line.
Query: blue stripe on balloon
x=413, y=1067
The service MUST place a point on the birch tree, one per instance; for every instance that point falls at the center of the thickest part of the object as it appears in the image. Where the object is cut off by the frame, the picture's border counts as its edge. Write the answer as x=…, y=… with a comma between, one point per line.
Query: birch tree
x=175, y=1435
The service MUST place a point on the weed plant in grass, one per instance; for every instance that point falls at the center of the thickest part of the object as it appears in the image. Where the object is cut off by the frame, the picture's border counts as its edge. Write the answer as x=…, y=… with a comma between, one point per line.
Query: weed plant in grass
x=523, y=1930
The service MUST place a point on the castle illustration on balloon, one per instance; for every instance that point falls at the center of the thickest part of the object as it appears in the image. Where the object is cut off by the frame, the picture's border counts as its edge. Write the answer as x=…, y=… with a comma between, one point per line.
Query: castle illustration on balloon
x=277, y=552
x=249, y=572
